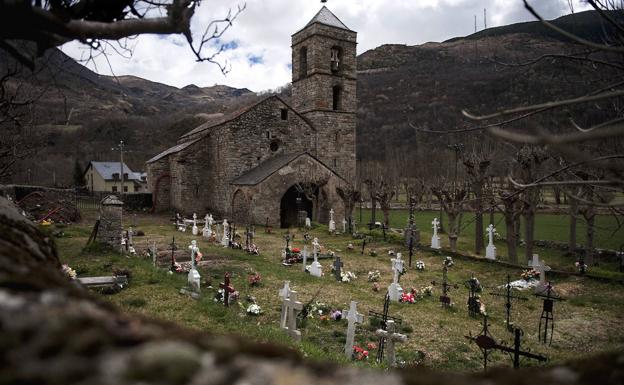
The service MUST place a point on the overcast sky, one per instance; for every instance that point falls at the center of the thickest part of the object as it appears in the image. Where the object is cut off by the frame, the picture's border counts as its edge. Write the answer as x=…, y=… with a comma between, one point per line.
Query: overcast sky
x=258, y=44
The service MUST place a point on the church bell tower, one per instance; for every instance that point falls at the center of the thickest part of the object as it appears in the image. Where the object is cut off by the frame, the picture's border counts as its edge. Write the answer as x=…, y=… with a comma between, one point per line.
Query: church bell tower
x=324, y=85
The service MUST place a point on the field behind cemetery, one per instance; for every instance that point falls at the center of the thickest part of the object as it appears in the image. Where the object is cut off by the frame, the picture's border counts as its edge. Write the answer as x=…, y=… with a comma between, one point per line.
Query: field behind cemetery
x=589, y=321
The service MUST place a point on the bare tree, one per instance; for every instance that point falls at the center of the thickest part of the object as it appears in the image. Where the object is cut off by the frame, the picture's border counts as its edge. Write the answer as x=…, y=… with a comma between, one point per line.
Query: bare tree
x=50, y=24
x=452, y=197
x=350, y=196
x=476, y=165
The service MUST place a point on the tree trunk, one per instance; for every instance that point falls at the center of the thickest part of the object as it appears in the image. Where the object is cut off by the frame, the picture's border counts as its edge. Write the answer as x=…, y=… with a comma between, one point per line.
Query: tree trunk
x=385, y=210
x=478, y=187
x=441, y=228
x=373, y=209
x=452, y=233
x=589, y=242
x=529, y=228
x=572, y=234
x=512, y=242
x=557, y=193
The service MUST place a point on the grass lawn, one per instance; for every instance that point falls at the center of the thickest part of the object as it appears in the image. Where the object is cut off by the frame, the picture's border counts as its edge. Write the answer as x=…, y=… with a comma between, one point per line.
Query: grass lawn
x=588, y=321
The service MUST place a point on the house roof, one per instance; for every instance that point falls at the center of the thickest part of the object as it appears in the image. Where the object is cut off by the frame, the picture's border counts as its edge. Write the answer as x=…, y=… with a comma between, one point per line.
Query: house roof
x=271, y=166
x=325, y=16
x=107, y=169
x=172, y=150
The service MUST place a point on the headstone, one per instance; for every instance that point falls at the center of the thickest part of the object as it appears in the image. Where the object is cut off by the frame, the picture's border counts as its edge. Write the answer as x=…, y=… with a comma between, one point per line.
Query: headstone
x=395, y=291
x=391, y=337
x=284, y=293
x=338, y=269
x=130, y=236
x=207, y=230
x=541, y=268
x=308, y=223
x=353, y=317
x=344, y=225
x=315, y=268
x=435, y=239
x=227, y=289
x=490, y=250
x=332, y=223
x=225, y=241
x=305, y=257
x=290, y=306
x=193, y=278
x=316, y=247
x=195, y=230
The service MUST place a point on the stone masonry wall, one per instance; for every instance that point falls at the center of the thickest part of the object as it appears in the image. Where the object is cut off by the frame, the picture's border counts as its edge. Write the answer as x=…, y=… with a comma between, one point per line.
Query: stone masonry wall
x=159, y=184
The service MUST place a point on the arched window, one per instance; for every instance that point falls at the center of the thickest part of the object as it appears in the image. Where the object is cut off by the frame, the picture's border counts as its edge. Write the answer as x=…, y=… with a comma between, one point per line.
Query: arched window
x=303, y=62
x=336, y=98
x=336, y=59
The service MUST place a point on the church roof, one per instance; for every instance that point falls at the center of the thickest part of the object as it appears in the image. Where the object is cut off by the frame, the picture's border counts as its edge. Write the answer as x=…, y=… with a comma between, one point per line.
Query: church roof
x=325, y=16
x=271, y=166
x=172, y=150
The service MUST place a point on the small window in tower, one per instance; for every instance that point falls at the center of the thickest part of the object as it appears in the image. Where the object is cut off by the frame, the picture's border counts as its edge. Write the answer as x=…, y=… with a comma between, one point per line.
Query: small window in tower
x=337, y=98
x=274, y=146
x=303, y=62
x=268, y=135
x=336, y=59
x=284, y=114
x=335, y=163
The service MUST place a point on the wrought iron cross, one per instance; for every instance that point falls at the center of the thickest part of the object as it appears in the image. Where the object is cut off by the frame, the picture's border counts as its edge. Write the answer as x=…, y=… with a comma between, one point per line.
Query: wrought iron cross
x=410, y=243
x=547, y=316
x=337, y=269
x=384, y=317
x=509, y=297
x=486, y=342
x=445, y=300
x=473, y=301
x=287, y=238
x=173, y=260
x=227, y=289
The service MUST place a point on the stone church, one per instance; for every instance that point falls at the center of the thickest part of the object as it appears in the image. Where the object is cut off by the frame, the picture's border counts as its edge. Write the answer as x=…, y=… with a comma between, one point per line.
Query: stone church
x=271, y=161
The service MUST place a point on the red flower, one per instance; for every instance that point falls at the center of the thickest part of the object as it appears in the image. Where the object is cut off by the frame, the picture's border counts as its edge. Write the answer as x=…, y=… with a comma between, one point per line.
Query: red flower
x=371, y=346
x=295, y=250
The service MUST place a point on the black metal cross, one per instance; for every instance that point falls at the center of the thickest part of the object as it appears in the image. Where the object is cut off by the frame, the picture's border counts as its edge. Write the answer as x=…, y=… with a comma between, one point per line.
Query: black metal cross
x=363, y=245
x=486, y=342
x=248, y=237
x=621, y=255
x=173, y=260
x=509, y=297
x=337, y=269
x=384, y=317
x=383, y=228
x=410, y=231
x=547, y=313
x=227, y=289
x=474, y=307
x=445, y=300
x=287, y=238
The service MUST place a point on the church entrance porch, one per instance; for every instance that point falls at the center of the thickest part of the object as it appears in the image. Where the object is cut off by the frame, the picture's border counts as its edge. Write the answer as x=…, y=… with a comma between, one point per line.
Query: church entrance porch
x=294, y=207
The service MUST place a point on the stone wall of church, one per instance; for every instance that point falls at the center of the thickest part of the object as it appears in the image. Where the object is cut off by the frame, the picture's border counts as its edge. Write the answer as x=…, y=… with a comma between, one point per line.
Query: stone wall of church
x=336, y=141
x=159, y=183
x=266, y=196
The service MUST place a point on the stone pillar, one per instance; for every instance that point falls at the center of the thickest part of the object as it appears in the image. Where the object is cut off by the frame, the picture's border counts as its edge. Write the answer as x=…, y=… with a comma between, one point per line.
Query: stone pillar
x=110, y=221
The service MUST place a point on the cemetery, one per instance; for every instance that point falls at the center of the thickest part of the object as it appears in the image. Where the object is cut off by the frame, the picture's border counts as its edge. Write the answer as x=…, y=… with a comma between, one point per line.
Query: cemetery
x=343, y=209
x=430, y=307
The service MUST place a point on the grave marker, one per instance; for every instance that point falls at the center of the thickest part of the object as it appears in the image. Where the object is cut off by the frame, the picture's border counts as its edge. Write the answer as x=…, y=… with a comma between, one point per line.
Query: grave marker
x=332, y=224
x=337, y=269
x=490, y=250
x=195, y=230
x=509, y=297
x=353, y=317
x=384, y=317
x=435, y=239
x=227, y=288
x=547, y=313
x=289, y=306
x=541, y=268
x=391, y=337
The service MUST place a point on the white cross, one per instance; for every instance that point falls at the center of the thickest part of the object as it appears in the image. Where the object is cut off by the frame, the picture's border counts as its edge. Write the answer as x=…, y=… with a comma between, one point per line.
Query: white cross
x=397, y=266
x=305, y=256
x=284, y=293
x=331, y=214
x=491, y=231
x=541, y=268
x=289, y=306
x=353, y=317
x=194, y=250
x=435, y=224
x=391, y=338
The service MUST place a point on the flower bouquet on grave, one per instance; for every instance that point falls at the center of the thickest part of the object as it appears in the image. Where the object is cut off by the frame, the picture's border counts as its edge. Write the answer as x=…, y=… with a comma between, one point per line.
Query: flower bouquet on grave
x=293, y=255
x=198, y=257
x=407, y=297
x=347, y=276
x=374, y=276
x=426, y=291
x=448, y=262
x=350, y=247
x=335, y=315
x=375, y=286
x=581, y=267
x=68, y=271
x=359, y=353
x=254, y=279
x=318, y=308
x=474, y=282
x=372, y=253
x=254, y=309
x=530, y=274
x=420, y=265
x=219, y=297
x=252, y=249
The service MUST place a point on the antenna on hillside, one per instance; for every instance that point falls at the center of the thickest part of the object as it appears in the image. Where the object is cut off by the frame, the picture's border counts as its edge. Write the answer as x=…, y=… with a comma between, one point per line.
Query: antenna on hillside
x=475, y=23
x=484, y=18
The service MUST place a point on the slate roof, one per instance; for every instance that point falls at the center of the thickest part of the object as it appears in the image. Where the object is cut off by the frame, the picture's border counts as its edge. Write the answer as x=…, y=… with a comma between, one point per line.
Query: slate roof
x=271, y=166
x=172, y=150
x=107, y=169
x=325, y=16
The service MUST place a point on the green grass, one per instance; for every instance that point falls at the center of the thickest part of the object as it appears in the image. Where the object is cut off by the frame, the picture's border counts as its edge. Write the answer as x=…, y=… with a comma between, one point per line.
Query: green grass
x=587, y=322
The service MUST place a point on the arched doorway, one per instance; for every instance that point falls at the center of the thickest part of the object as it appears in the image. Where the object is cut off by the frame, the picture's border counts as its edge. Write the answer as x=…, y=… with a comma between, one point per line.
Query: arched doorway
x=292, y=202
x=240, y=208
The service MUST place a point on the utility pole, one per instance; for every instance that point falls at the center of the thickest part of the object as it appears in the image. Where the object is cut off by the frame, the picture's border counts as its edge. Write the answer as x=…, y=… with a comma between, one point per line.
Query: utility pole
x=484, y=18
x=120, y=147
